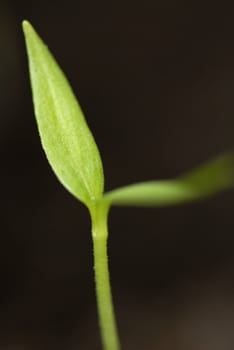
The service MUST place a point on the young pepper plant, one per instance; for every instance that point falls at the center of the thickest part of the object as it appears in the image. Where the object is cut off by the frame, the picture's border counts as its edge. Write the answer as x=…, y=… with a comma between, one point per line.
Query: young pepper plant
x=74, y=157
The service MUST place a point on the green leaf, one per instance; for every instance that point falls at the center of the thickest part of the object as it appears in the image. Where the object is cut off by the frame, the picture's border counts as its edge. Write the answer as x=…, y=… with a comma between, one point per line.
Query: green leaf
x=65, y=136
x=204, y=181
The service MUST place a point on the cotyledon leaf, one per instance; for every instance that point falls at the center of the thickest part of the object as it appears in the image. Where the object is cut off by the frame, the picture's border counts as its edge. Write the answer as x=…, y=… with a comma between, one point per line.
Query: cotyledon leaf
x=214, y=176
x=65, y=136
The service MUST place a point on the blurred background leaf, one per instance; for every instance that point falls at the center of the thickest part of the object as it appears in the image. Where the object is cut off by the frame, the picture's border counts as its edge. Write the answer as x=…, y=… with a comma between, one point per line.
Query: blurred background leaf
x=210, y=178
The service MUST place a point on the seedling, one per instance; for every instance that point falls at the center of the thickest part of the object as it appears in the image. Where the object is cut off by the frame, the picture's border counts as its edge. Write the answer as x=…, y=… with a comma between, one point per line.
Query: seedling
x=74, y=157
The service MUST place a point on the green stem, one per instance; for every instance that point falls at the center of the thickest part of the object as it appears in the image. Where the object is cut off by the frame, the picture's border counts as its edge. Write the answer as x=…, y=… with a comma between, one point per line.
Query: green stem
x=107, y=322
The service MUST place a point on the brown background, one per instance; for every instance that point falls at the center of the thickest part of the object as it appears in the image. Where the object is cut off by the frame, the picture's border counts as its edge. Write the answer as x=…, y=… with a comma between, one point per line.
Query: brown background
x=156, y=82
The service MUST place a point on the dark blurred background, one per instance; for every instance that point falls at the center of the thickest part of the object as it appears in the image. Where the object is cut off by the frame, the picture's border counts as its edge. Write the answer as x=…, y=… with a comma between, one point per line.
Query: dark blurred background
x=156, y=82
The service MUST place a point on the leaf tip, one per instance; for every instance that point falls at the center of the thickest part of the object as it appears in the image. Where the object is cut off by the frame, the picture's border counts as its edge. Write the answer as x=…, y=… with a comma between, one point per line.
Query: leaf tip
x=26, y=26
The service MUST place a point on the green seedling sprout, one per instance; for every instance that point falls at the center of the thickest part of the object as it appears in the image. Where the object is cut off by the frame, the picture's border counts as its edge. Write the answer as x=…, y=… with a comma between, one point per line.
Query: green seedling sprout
x=74, y=157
